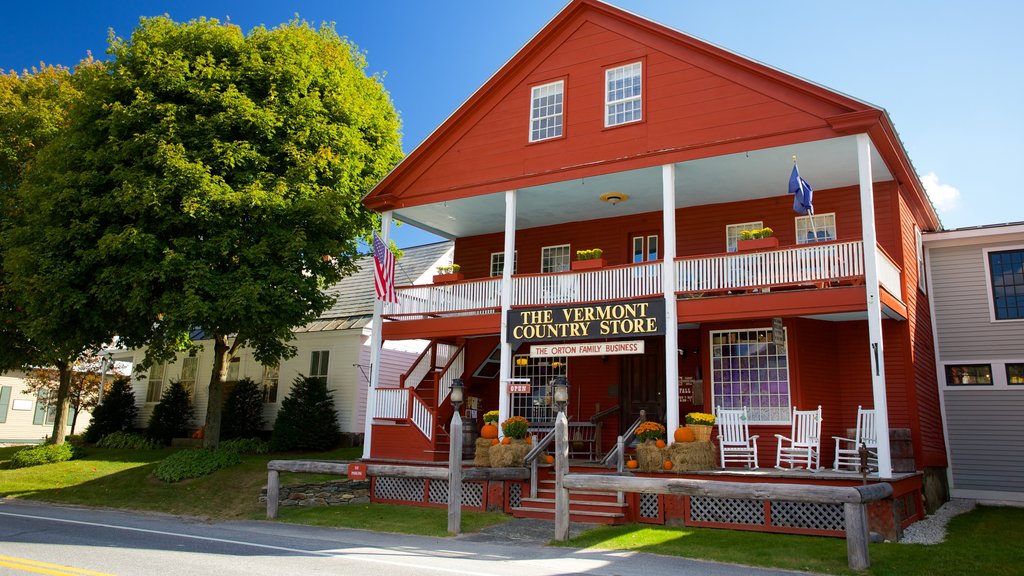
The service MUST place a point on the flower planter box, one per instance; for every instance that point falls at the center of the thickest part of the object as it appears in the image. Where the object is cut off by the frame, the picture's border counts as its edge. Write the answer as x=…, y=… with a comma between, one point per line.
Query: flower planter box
x=591, y=264
x=446, y=278
x=757, y=244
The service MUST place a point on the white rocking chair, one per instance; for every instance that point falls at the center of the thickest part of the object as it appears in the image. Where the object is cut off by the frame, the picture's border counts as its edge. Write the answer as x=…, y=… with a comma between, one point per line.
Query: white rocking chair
x=734, y=440
x=803, y=445
x=848, y=449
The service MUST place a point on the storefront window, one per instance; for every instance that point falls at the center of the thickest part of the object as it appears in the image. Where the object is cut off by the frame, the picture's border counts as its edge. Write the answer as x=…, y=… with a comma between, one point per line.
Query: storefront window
x=749, y=369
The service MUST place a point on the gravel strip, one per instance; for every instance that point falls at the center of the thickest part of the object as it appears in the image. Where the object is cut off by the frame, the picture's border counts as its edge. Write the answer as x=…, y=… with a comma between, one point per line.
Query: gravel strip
x=932, y=530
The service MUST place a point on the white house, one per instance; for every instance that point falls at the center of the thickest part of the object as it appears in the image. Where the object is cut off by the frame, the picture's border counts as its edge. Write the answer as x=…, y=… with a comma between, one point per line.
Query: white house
x=24, y=417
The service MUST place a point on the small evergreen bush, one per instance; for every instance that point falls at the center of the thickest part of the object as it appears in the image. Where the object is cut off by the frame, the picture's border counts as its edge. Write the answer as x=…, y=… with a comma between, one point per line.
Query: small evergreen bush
x=242, y=416
x=116, y=413
x=44, y=454
x=172, y=417
x=306, y=420
x=245, y=446
x=129, y=441
x=194, y=463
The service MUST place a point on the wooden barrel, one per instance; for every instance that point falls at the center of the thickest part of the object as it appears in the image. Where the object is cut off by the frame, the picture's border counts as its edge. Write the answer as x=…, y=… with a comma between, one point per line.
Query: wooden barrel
x=469, y=436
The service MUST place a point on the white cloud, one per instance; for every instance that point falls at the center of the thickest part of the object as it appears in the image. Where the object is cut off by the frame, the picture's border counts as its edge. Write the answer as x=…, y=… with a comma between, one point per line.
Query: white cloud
x=945, y=197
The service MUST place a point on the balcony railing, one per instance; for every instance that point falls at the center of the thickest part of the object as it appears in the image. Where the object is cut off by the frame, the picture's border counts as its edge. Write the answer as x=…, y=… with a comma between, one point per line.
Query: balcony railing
x=808, y=264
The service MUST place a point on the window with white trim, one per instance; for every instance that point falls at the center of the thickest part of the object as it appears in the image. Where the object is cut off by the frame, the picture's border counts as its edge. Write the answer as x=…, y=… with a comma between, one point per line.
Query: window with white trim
x=319, y=361
x=749, y=369
x=1015, y=374
x=622, y=95
x=919, y=251
x=537, y=406
x=968, y=375
x=645, y=248
x=815, y=228
x=189, y=368
x=498, y=262
x=1006, y=278
x=234, y=367
x=491, y=367
x=732, y=233
x=554, y=258
x=155, y=385
x=546, y=105
x=271, y=375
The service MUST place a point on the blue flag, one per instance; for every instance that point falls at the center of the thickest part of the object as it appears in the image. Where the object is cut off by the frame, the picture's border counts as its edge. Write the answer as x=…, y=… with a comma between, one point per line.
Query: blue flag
x=802, y=192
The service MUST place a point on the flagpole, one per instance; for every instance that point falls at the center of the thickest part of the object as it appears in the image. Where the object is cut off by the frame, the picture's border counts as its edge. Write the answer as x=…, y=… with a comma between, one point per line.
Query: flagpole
x=810, y=211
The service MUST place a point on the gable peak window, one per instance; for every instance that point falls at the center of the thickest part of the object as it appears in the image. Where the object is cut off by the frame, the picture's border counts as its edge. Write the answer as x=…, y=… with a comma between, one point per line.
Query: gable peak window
x=546, y=105
x=622, y=95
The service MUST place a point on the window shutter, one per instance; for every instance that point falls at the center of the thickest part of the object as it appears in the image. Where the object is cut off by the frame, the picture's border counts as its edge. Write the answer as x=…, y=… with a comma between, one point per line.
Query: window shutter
x=40, y=416
x=5, y=402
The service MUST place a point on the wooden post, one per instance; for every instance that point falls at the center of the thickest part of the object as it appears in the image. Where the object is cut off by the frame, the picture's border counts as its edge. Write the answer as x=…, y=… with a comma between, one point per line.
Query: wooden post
x=455, y=476
x=561, y=469
x=273, y=488
x=857, y=537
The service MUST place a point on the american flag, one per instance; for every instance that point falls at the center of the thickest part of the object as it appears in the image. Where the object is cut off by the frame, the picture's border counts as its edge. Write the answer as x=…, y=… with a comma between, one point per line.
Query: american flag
x=384, y=271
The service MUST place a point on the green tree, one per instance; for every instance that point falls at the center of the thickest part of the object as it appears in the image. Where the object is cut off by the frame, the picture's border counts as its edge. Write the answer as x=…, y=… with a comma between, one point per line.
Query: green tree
x=83, y=394
x=172, y=416
x=215, y=179
x=47, y=317
x=117, y=412
x=243, y=411
x=307, y=419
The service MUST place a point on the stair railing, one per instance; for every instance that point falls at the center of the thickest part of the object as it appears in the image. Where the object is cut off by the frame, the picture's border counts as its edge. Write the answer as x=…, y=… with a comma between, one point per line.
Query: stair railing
x=534, y=454
x=616, y=456
x=598, y=421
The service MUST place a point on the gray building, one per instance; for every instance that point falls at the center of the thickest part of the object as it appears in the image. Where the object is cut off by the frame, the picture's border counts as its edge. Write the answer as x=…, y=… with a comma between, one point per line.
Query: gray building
x=976, y=288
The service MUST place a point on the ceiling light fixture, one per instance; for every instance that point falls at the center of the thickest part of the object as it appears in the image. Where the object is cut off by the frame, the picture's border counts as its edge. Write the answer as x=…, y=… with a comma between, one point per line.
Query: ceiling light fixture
x=614, y=198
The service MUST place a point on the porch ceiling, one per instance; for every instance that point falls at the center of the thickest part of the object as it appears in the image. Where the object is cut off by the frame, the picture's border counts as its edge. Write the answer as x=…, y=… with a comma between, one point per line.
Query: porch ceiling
x=824, y=164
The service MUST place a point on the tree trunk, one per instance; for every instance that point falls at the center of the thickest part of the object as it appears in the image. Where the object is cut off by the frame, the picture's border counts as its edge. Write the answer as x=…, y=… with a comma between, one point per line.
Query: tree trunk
x=222, y=353
x=63, y=390
x=74, y=420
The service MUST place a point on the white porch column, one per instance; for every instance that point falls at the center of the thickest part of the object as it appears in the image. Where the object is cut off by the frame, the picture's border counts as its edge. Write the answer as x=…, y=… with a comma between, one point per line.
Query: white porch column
x=506, y=304
x=875, y=348
x=376, y=339
x=668, y=283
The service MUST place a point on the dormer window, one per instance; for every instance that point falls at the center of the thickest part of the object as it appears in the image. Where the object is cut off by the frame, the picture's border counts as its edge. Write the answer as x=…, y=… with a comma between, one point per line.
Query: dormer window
x=622, y=100
x=546, y=103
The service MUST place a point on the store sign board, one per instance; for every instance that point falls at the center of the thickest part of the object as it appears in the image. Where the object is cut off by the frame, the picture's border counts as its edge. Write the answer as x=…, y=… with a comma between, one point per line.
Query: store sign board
x=587, y=322
x=587, y=349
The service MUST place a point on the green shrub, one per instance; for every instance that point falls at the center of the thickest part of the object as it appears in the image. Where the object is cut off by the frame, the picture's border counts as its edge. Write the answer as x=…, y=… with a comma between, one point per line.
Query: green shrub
x=116, y=413
x=245, y=446
x=44, y=454
x=172, y=417
x=307, y=419
x=128, y=440
x=242, y=416
x=195, y=463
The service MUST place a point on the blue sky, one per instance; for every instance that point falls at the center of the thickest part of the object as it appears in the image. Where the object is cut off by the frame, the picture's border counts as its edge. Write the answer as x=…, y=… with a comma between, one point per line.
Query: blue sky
x=949, y=74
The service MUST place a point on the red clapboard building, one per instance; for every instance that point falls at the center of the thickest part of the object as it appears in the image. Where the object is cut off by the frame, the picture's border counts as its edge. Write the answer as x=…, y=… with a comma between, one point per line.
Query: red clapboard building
x=612, y=132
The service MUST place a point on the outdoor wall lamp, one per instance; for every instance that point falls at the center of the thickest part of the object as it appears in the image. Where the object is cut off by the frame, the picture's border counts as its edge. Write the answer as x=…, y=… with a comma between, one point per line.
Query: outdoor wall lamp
x=561, y=392
x=456, y=396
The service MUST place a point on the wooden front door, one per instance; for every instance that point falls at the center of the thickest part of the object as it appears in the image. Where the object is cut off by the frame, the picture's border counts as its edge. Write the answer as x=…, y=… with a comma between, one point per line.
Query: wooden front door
x=642, y=382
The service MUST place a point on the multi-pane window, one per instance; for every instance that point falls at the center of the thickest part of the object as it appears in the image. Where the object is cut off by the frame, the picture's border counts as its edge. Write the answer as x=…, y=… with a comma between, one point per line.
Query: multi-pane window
x=645, y=248
x=815, y=228
x=498, y=262
x=969, y=375
x=491, y=367
x=732, y=233
x=546, y=111
x=271, y=374
x=1015, y=374
x=189, y=368
x=749, y=369
x=622, y=101
x=554, y=258
x=156, y=382
x=1006, y=272
x=319, y=360
x=537, y=406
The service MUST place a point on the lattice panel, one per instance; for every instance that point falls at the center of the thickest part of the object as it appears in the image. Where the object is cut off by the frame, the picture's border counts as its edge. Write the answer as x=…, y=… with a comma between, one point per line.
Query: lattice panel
x=472, y=493
x=515, y=495
x=391, y=488
x=727, y=511
x=808, y=515
x=649, y=505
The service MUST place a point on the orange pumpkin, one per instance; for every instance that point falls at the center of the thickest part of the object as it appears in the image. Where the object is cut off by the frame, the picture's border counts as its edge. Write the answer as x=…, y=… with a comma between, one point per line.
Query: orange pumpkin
x=632, y=464
x=659, y=443
x=549, y=458
x=489, y=431
x=668, y=464
x=529, y=439
x=506, y=440
x=494, y=441
x=684, y=435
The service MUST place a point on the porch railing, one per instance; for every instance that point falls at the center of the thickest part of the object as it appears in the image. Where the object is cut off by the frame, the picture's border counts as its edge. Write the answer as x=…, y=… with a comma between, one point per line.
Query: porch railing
x=453, y=361
x=800, y=264
x=401, y=404
x=471, y=295
x=611, y=283
x=889, y=274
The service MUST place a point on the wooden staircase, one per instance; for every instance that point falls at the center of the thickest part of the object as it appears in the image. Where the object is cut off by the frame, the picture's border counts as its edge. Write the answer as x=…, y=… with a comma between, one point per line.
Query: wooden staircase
x=589, y=507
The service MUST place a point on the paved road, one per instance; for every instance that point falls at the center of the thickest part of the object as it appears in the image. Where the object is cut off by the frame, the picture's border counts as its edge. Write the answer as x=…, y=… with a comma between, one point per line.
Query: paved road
x=39, y=538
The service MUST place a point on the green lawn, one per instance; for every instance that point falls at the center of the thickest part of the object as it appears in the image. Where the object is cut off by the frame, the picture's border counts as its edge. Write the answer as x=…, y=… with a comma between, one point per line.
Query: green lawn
x=980, y=543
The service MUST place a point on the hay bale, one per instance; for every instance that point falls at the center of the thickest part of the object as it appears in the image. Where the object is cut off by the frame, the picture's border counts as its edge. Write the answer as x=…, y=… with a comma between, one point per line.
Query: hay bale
x=482, y=457
x=506, y=455
x=688, y=456
x=649, y=457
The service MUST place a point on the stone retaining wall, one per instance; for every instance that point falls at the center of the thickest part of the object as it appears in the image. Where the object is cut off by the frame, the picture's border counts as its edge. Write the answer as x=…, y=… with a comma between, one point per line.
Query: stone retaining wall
x=334, y=493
